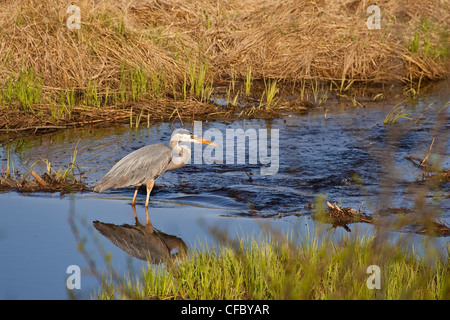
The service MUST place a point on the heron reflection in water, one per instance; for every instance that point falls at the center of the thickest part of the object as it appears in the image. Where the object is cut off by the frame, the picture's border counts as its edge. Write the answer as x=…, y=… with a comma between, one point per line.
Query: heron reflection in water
x=145, y=165
x=143, y=242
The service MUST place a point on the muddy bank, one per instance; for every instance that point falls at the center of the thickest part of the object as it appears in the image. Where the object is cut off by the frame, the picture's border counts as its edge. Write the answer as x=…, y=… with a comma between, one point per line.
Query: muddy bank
x=227, y=102
x=14, y=121
x=142, y=114
x=146, y=112
x=47, y=182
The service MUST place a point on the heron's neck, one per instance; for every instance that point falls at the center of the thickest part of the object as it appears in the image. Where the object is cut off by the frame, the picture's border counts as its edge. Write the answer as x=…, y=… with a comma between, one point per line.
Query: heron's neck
x=176, y=147
x=184, y=152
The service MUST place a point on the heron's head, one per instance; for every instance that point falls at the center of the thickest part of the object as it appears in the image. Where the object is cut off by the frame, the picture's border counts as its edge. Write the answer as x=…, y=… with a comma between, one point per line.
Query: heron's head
x=183, y=135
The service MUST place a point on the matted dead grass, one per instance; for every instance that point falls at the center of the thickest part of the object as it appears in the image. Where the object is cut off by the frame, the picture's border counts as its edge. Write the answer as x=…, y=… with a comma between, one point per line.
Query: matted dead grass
x=301, y=39
x=40, y=183
x=289, y=40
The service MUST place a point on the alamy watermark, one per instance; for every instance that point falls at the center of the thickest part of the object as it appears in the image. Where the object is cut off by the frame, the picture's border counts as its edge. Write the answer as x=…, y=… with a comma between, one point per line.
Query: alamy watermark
x=74, y=280
x=74, y=21
x=236, y=146
x=374, y=281
x=374, y=20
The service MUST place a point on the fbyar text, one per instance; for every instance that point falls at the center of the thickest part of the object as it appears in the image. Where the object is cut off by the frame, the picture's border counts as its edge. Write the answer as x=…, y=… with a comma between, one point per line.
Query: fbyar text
x=229, y=309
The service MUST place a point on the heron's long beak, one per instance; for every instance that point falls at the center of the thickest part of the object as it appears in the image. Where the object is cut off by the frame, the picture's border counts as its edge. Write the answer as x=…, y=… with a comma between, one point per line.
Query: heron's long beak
x=201, y=140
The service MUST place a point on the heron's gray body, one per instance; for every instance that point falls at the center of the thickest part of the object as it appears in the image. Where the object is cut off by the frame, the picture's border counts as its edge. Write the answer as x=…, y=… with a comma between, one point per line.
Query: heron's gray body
x=138, y=168
x=146, y=164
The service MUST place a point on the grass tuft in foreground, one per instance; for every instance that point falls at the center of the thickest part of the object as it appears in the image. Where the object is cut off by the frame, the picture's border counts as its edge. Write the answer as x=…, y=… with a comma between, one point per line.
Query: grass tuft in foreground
x=281, y=268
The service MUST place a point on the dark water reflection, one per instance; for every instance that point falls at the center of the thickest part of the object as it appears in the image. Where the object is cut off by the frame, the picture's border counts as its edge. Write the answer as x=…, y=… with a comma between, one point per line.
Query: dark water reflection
x=143, y=241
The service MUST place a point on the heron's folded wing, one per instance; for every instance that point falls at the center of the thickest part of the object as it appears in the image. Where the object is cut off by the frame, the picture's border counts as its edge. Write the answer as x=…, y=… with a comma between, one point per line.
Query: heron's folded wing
x=137, y=168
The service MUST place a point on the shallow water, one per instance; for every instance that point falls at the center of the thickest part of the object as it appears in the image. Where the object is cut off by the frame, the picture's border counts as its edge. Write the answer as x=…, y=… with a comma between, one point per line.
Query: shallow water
x=351, y=157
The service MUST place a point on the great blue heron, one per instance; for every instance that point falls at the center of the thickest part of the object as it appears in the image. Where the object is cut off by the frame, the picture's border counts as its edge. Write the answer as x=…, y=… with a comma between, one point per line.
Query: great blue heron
x=143, y=166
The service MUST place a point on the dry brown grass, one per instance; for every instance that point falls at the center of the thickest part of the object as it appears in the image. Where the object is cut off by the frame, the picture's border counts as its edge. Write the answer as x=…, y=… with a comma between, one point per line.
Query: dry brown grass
x=286, y=40
x=290, y=40
x=301, y=39
x=34, y=34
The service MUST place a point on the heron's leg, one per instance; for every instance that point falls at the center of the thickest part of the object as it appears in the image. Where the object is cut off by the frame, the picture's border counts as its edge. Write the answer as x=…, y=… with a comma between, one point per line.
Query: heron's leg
x=133, y=202
x=149, y=189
